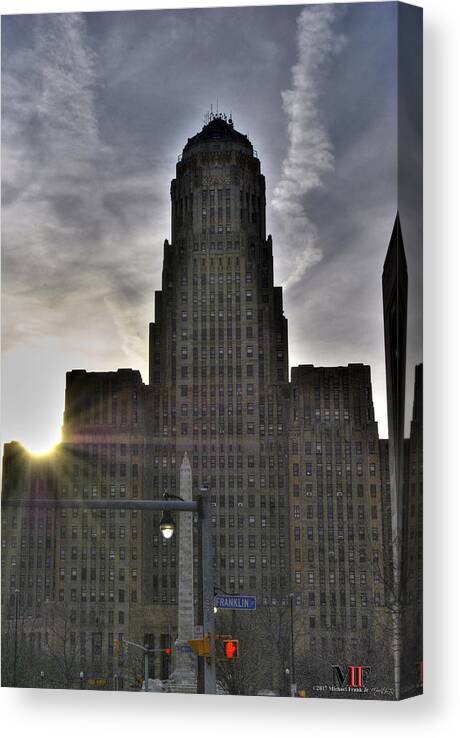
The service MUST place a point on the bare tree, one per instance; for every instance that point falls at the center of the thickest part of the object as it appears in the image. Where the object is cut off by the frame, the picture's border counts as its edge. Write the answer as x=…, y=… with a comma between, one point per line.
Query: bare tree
x=264, y=650
x=21, y=665
x=395, y=620
x=60, y=647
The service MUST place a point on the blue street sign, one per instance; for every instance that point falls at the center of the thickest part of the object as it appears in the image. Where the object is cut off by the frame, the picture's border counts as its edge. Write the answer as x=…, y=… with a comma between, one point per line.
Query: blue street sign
x=185, y=649
x=235, y=602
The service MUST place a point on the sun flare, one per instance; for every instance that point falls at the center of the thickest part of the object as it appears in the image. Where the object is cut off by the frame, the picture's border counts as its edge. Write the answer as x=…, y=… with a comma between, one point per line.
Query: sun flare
x=41, y=451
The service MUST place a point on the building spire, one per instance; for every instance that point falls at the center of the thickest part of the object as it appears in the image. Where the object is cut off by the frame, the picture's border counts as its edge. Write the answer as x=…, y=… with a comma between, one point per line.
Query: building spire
x=210, y=115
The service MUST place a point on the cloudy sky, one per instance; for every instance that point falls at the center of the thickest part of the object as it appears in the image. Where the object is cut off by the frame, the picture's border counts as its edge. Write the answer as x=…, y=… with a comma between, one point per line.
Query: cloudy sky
x=96, y=108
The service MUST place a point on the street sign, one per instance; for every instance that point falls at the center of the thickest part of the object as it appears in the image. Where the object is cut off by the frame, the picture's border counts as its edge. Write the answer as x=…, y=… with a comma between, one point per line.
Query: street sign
x=235, y=602
x=199, y=631
x=185, y=649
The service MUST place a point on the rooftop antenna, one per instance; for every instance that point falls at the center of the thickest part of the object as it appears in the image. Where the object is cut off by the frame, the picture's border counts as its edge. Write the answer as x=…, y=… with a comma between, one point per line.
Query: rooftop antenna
x=217, y=106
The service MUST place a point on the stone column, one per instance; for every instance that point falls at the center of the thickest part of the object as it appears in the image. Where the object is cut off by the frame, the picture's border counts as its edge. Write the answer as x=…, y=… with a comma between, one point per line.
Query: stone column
x=184, y=676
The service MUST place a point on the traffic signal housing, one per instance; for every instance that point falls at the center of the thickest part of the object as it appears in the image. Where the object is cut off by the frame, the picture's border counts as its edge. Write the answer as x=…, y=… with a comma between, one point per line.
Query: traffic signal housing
x=231, y=650
x=201, y=646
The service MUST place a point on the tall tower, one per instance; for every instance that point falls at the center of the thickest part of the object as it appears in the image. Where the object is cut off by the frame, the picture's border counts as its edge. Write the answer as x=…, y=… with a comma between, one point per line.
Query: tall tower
x=394, y=288
x=219, y=359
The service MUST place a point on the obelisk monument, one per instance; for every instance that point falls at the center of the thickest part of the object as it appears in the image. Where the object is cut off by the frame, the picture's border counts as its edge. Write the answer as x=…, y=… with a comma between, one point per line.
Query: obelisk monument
x=184, y=675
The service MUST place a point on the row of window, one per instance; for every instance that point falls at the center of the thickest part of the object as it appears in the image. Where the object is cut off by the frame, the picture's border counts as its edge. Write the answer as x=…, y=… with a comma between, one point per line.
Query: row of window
x=218, y=245
x=353, y=624
x=249, y=313
x=320, y=513
x=334, y=531
x=102, y=553
x=338, y=469
x=319, y=448
x=332, y=489
x=250, y=429
x=230, y=277
x=220, y=354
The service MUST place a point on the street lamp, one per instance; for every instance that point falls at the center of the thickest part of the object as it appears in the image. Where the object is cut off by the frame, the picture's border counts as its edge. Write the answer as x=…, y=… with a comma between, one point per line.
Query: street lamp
x=42, y=678
x=287, y=671
x=16, y=617
x=82, y=676
x=293, y=684
x=167, y=525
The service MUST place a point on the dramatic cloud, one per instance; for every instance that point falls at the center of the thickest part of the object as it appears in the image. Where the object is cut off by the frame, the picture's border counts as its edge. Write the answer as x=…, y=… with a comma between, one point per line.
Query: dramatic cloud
x=96, y=108
x=79, y=229
x=83, y=207
x=310, y=150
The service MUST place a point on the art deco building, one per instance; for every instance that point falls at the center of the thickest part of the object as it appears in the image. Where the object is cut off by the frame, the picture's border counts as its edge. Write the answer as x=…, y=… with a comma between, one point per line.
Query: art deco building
x=292, y=469
x=217, y=388
x=218, y=361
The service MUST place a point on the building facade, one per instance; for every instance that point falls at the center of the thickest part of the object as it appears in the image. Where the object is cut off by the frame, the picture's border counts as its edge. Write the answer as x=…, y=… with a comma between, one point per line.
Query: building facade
x=336, y=515
x=218, y=358
x=292, y=468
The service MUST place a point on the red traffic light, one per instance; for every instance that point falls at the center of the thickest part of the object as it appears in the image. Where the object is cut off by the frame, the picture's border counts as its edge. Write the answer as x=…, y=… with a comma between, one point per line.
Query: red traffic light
x=231, y=650
x=167, y=651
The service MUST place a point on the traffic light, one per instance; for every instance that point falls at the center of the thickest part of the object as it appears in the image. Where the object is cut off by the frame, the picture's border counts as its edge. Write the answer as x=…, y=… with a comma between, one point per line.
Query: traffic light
x=167, y=651
x=201, y=646
x=231, y=650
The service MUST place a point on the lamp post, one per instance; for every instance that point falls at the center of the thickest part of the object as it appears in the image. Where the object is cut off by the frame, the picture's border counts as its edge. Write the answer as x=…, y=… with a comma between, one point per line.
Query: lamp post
x=293, y=684
x=82, y=680
x=16, y=618
x=287, y=687
x=146, y=667
x=207, y=589
x=42, y=678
